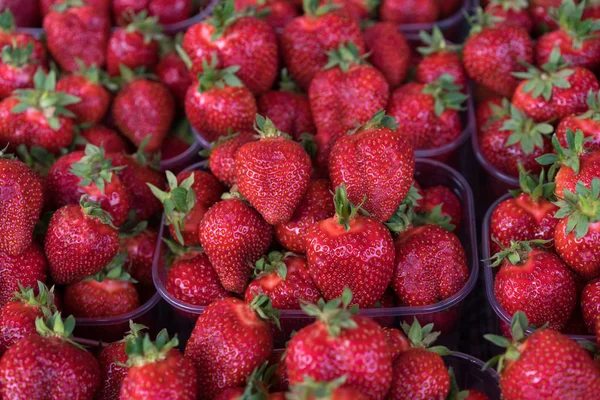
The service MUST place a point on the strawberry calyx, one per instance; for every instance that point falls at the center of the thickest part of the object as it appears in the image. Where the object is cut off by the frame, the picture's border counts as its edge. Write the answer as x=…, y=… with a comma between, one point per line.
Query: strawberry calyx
x=144, y=159
x=259, y=382
x=519, y=325
x=134, y=331
x=525, y=131
x=537, y=187
x=569, y=156
x=313, y=9
x=593, y=103
x=311, y=389
x=44, y=299
x=480, y=20
x=36, y=158
x=263, y=307
x=92, y=209
x=127, y=75
x=435, y=42
x=223, y=16
x=211, y=77
x=177, y=202
x=345, y=211
x=403, y=218
x=413, y=196
x=455, y=393
x=446, y=94
x=182, y=252
x=517, y=253
x=94, y=168
x=67, y=4
x=581, y=208
x=308, y=143
x=220, y=140
x=6, y=156
x=94, y=75
x=267, y=129
x=142, y=350
x=423, y=337
x=115, y=270
x=7, y=21
x=147, y=26
x=378, y=120
x=272, y=263
x=183, y=55
x=344, y=57
x=54, y=326
x=511, y=5
x=18, y=56
x=500, y=111
x=287, y=84
x=335, y=314
x=540, y=82
x=44, y=98
x=233, y=194
x=434, y=217
x=569, y=17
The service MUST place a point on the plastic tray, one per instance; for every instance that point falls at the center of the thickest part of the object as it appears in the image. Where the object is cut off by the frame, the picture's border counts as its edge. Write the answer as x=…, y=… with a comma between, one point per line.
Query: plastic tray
x=181, y=161
x=489, y=273
x=469, y=374
x=452, y=26
x=443, y=314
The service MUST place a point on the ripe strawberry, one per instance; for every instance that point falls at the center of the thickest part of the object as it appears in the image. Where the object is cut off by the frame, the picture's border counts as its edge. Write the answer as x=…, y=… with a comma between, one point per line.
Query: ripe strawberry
x=230, y=339
x=135, y=45
x=396, y=340
x=409, y=12
x=555, y=91
x=173, y=71
x=388, y=51
x=230, y=250
x=74, y=31
x=20, y=207
x=278, y=12
x=167, y=11
x=315, y=206
x=86, y=83
x=309, y=389
x=588, y=123
x=590, y=304
x=514, y=141
x=272, y=173
x=428, y=115
x=306, y=40
x=258, y=385
x=540, y=11
x=349, y=250
x=218, y=102
x=489, y=111
x=6, y=117
x=157, y=370
x=25, y=269
x=101, y=136
x=29, y=369
x=492, y=53
x=17, y=68
x=143, y=108
x=27, y=13
x=544, y=365
x=187, y=200
x=513, y=12
x=17, y=317
x=139, y=245
x=80, y=241
x=441, y=196
x=334, y=342
x=102, y=6
x=439, y=58
x=420, y=363
x=221, y=160
x=8, y=33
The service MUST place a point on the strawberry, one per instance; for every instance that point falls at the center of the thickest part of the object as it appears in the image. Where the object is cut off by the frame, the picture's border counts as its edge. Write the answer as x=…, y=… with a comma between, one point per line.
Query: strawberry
x=513, y=12
x=577, y=39
x=439, y=58
x=135, y=45
x=315, y=206
x=491, y=53
x=489, y=111
x=42, y=119
x=540, y=11
x=588, y=123
x=218, y=102
x=74, y=31
x=17, y=317
x=349, y=250
x=335, y=108
x=139, y=245
x=27, y=12
x=428, y=115
x=102, y=136
x=221, y=159
x=189, y=197
x=288, y=108
x=191, y=278
x=272, y=173
x=536, y=282
x=230, y=339
x=409, y=12
x=396, y=340
x=24, y=269
x=173, y=71
x=306, y=40
x=388, y=51
x=514, y=141
x=333, y=390
x=258, y=385
x=113, y=364
x=157, y=370
x=285, y=279
x=555, y=91
x=278, y=12
x=6, y=118
x=20, y=207
x=577, y=234
x=230, y=250
x=17, y=68
x=338, y=344
x=457, y=394
x=590, y=304
x=420, y=363
x=86, y=83
x=234, y=39
x=441, y=196
x=543, y=365
x=22, y=39
x=102, y=6
x=167, y=11
x=143, y=108
x=80, y=241
x=28, y=370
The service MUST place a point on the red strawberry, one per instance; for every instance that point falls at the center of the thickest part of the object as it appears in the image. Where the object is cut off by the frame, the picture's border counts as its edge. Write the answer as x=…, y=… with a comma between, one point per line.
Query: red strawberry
x=173, y=71
x=590, y=304
x=74, y=31
x=514, y=12
x=439, y=58
x=221, y=160
x=20, y=205
x=340, y=343
x=285, y=279
x=349, y=250
x=441, y=196
x=135, y=45
x=102, y=6
x=157, y=370
x=22, y=39
x=428, y=115
x=6, y=118
x=230, y=339
x=456, y=393
x=540, y=13
x=278, y=12
x=489, y=111
x=376, y=164
x=143, y=108
x=272, y=173
x=544, y=365
x=388, y=52
x=167, y=11
x=258, y=385
x=420, y=364
x=491, y=53
x=113, y=369
x=25, y=269
x=86, y=84
x=218, y=102
x=27, y=13
x=234, y=236
x=17, y=317
x=514, y=141
x=139, y=245
x=101, y=136
x=555, y=91
x=536, y=282
x=396, y=340
x=17, y=68
x=357, y=9
x=409, y=12
x=233, y=39
x=80, y=241
x=306, y=40
x=288, y=108
x=28, y=370
x=315, y=206
x=332, y=390
x=588, y=123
